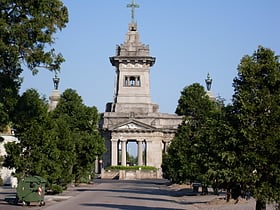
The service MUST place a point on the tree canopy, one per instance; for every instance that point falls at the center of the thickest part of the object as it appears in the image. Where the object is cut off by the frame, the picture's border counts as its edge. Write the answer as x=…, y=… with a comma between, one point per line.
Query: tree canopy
x=256, y=103
x=188, y=153
x=235, y=147
x=83, y=123
x=61, y=145
x=27, y=31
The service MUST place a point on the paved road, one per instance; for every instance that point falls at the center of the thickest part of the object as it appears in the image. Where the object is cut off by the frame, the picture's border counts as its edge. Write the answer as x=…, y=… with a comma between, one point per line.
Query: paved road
x=127, y=195
x=122, y=195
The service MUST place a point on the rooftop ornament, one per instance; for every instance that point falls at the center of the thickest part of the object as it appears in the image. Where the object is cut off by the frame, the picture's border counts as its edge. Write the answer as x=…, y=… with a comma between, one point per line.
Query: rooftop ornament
x=56, y=81
x=208, y=82
x=132, y=6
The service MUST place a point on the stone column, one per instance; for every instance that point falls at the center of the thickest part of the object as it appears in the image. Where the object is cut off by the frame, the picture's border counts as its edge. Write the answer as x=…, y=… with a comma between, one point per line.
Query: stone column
x=123, y=152
x=96, y=170
x=114, y=152
x=149, y=154
x=165, y=146
x=139, y=153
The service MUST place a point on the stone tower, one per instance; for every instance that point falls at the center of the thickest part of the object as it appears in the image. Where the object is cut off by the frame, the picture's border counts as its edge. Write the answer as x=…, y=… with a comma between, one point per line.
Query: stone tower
x=132, y=86
x=132, y=117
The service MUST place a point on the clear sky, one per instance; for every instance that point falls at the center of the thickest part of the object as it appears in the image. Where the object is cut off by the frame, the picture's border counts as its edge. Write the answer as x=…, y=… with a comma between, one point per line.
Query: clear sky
x=189, y=38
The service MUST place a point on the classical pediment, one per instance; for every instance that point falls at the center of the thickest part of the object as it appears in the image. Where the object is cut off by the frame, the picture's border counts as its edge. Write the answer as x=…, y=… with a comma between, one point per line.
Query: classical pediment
x=132, y=125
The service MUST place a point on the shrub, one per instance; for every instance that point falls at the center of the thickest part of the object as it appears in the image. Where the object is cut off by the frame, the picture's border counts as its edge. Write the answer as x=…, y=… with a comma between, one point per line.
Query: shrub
x=127, y=168
x=54, y=189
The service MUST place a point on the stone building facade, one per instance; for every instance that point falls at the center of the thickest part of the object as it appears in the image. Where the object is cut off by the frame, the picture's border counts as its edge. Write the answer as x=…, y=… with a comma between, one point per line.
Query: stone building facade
x=6, y=137
x=132, y=117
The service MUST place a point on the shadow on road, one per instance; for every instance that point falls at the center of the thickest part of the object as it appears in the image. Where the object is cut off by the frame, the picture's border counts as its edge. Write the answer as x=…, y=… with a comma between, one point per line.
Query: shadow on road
x=124, y=207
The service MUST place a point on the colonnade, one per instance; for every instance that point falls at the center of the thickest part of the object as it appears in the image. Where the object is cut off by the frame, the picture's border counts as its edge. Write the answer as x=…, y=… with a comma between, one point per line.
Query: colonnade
x=115, y=151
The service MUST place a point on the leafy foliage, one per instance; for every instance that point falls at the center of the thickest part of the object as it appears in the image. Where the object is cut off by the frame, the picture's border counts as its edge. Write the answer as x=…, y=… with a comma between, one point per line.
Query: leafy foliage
x=256, y=105
x=83, y=124
x=235, y=146
x=27, y=31
x=189, y=154
x=9, y=87
x=26, y=27
x=60, y=146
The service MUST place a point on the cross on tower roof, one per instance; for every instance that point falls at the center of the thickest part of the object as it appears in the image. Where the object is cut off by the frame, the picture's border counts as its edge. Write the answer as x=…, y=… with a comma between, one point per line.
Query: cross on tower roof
x=132, y=6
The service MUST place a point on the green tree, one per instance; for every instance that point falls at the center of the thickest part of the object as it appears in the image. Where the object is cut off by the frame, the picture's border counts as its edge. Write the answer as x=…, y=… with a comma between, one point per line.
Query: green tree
x=224, y=165
x=26, y=36
x=179, y=163
x=83, y=124
x=256, y=103
x=189, y=156
x=44, y=146
x=9, y=88
x=59, y=151
x=60, y=146
x=32, y=114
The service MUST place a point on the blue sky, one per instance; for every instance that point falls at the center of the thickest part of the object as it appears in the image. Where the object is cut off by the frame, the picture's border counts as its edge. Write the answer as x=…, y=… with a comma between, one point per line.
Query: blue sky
x=189, y=38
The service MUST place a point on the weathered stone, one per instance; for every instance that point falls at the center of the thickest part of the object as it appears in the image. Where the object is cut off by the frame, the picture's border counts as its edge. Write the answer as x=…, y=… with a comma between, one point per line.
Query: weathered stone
x=132, y=116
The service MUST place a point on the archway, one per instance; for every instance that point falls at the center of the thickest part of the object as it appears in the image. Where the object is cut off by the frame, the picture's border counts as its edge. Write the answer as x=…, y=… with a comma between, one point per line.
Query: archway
x=131, y=154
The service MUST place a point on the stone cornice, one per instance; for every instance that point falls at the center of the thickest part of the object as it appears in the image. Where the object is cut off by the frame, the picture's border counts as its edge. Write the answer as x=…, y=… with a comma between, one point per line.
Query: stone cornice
x=157, y=130
x=116, y=60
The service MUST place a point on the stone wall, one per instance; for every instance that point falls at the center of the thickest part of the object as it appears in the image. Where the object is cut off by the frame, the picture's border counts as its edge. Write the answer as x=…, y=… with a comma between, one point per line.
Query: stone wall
x=131, y=174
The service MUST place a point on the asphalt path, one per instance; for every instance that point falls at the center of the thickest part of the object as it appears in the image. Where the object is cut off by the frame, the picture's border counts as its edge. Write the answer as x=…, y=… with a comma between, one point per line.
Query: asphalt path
x=115, y=194
x=127, y=195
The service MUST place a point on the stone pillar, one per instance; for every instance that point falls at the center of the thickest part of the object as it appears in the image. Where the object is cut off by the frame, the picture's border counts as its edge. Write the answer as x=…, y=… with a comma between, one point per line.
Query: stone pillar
x=123, y=152
x=139, y=153
x=165, y=146
x=54, y=99
x=148, y=152
x=114, y=152
x=154, y=152
x=96, y=170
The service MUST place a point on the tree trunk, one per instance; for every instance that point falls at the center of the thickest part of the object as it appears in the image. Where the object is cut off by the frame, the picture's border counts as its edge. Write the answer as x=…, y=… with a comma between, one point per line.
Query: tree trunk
x=260, y=205
x=228, y=194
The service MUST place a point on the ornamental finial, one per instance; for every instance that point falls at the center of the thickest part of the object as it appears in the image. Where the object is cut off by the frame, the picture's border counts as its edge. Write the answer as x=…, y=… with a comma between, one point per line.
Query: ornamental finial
x=56, y=81
x=208, y=82
x=132, y=6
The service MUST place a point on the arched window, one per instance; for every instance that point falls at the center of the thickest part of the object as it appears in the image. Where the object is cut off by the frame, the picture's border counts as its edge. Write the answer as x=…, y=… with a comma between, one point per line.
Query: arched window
x=132, y=81
x=125, y=81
